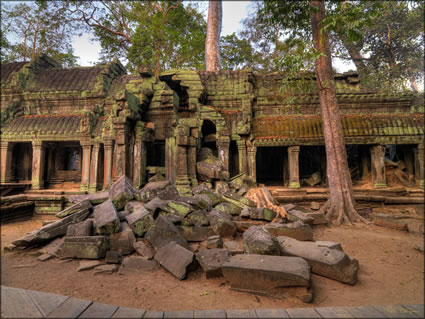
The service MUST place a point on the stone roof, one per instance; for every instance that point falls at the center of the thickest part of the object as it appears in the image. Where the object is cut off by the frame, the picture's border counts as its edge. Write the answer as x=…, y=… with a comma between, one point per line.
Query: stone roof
x=75, y=79
x=34, y=125
x=8, y=68
x=354, y=125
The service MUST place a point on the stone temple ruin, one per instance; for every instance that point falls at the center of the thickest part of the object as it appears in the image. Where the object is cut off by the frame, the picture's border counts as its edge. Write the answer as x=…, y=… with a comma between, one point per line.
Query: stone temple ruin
x=167, y=167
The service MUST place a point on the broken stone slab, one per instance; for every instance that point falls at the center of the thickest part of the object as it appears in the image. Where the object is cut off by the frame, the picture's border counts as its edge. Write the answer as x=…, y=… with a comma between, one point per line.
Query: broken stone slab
x=315, y=205
x=211, y=261
x=138, y=264
x=113, y=257
x=221, y=223
x=241, y=202
x=221, y=187
x=124, y=240
x=389, y=221
x=195, y=233
x=133, y=205
x=297, y=230
x=140, y=221
x=313, y=180
x=169, y=193
x=199, y=201
x=105, y=269
x=258, y=241
x=84, y=204
x=9, y=248
x=204, y=190
x=163, y=232
x=88, y=265
x=95, y=199
x=330, y=263
x=121, y=192
x=243, y=225
x=172, y=218
x=106, y=218
x=234, y=247
x=45, y=257
x=198, y=218
x=229, y=208
x=84, y=228
x=88, y=247
x=176, y=259
x=177, y=208
x=155, y=205
x=294, y=215
x=51, y=231
x=318, y=218
x=52, y=248
x=210, y=169
x=260, y=214
x=264, y=274
x=144, y=249
x=214, y=242
x=151, y=190
x=329, y=244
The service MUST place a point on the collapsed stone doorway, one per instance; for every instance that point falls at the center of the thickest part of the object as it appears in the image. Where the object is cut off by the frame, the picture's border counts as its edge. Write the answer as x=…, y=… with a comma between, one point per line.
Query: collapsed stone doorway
x=272, y=165
x=22, y=161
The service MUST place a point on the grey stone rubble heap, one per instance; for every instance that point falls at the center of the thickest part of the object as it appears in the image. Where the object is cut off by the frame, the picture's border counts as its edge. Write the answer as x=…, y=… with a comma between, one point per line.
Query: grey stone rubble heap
x=142, y=230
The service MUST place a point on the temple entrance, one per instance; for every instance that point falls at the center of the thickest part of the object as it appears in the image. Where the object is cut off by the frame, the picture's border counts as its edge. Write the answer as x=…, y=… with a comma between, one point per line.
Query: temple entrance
x=312, y=161
x=209, y=138
x=233, y=159
x=272, y=165
x=22, y=162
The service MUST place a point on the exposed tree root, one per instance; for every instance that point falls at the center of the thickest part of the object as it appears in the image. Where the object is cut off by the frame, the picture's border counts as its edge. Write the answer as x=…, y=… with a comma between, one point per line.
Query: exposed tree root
x=338, y=213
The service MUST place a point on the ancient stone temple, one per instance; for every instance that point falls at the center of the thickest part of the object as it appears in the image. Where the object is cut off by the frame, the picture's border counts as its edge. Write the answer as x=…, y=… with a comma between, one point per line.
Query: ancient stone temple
x=84, y=127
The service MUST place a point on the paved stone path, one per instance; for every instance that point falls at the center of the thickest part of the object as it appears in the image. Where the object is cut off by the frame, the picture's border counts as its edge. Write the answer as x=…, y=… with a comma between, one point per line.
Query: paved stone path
x=21, y=303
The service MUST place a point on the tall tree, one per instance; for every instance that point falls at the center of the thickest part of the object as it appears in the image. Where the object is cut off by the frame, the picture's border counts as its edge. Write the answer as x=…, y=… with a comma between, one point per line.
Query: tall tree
x=310, y=18
x=32, y=28
x=212, y=43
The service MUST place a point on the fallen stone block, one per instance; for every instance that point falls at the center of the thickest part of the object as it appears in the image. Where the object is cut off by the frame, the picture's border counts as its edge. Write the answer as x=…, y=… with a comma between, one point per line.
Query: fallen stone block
x=264, y=274
x=105, y=269
x=214, y=242
x=144, y=249
x=88, y=265
x=95, y=199
x=195, y=233
x=221, y=187
x=221, y=223
x=243, y=225
x=138, y=264
x=133, y=205
x=204, y=190
x=140, y=221
x=389, y=221
x=124, y=240
x=318, y=218
x=175, y=258
x=113, y=257
x=51, y=231
x=122, y=214
x=89, y=247
x=9, y=248
x=415, y=226
x=177, y=208
x=258, y=241
x=151, y=190
x=234, y=247
x=173, y=218
x=211, y=261
x=155, y=205
x=297, y=230
x=169, y=193
x=106, y=218
x=199, y=201
x=198, y=218
x=329, y=244
x=315, y=205
x=84, y=204
x=84, y=228
x=45, y=257
x=121, y=192
x=297, y=214
x=261, y=214
x=52, y=248
x=229, y=208
x=330, y=263
x=210, y=169
x=313, y=180
x=163, y=232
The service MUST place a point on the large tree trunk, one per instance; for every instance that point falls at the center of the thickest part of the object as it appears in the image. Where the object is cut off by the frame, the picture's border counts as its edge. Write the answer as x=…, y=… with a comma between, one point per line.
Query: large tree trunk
x=212, y=49
x=355, y=55
x=341, y=204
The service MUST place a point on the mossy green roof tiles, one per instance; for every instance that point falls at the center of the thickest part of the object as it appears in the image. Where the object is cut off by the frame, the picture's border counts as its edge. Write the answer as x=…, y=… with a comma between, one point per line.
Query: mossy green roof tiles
x=8, y=68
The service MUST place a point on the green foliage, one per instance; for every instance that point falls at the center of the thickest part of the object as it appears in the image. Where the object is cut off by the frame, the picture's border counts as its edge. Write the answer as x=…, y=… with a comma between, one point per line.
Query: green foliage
x=236, y=53
x=31, y=28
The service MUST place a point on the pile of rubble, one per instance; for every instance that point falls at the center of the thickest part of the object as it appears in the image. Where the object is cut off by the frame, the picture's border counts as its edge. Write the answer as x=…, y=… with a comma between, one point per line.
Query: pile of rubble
x=156, y=226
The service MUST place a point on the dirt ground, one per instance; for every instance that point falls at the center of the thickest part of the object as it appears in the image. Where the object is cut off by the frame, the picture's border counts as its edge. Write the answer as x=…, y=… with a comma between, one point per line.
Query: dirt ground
x=391, y=272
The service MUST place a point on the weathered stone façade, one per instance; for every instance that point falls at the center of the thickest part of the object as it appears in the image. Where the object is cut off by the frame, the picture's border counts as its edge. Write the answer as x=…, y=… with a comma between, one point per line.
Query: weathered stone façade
x=88, y=126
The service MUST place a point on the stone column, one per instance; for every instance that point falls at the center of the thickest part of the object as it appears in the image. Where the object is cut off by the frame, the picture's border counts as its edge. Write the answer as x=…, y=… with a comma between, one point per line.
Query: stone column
x=6, y=162
x=223, y=150
x=252, y=169
x=38, y=156
x=120, y=128
x=85, y=169
x=419, y=165
x=377, y=154
x=243, y=163
x=191, y=161
x=94, y=168
x=108, y=146
x=294, y=169
x=182, y=179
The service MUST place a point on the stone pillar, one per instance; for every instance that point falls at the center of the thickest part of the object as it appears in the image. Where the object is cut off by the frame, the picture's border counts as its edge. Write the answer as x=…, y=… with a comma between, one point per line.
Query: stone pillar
x=419, y=165
x=182, y=178
x=94, y=168
x=223, y=150
x=377, y=154
x=38, y=156
x=120, y=128
x=108, y=145
x=191, y=161
x=252, y=168
x=85, y=169
x=364, y=163
x=6, y=162
x=293, y=166
x=243, y=163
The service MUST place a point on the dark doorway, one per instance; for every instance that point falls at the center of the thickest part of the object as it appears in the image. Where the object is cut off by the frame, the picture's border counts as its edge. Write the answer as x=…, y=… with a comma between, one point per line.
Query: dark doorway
x=22, y=161
x=155, y=153
x=312, y=161
x=233, y=159
x=209, y=138
x=270, y=163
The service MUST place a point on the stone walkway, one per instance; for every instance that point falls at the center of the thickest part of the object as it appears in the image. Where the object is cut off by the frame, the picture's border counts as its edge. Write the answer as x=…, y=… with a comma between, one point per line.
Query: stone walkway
x=20, y=303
